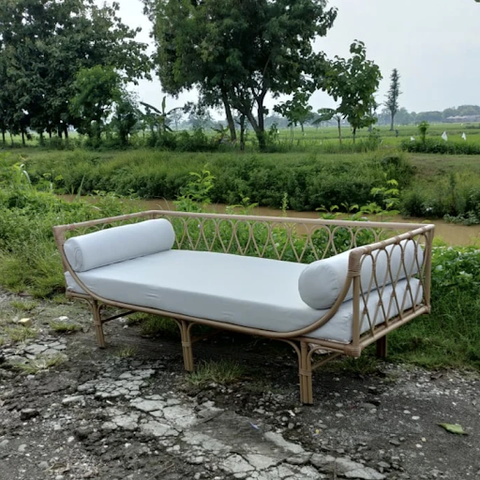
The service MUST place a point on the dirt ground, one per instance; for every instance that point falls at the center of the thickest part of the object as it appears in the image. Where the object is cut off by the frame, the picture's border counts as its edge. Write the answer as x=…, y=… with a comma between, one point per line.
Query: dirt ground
x=128, y=412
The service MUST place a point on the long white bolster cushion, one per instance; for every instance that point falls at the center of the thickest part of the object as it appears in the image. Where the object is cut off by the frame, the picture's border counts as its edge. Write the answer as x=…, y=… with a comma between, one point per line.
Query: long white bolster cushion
x=322, y=281
x=119, y=244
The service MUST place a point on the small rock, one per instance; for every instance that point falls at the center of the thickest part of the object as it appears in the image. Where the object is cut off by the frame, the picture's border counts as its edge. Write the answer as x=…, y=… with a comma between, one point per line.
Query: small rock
x=43, y=465
x=394, y=441
x=22, y=448
x=4, y=443
x=28, y=413
x=74, y=399
x=25, y=322
x=301, y=459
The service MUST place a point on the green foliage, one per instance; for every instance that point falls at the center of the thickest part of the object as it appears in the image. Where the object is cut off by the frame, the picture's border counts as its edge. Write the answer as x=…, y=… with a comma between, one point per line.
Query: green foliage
x=422, y=130
x=394, y=92
x=96, y=88
x=309, y=181
x=223, y=372
x=28, y=256
x=450, y=336
x=354, y=82
x=238, y=52
x=195, y=194
x=431, y=145
x=44, y=45
x=59, y=326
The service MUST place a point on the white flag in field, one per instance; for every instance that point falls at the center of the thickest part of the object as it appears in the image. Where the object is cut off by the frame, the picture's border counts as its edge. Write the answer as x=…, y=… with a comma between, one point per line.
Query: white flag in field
x=445, y=136
x=464, y=136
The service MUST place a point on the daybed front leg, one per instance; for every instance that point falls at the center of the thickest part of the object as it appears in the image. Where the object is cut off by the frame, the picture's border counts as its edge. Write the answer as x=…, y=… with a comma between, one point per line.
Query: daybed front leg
x=382, y=347
x=186, y=344
x=305, y=374
x=97, y=321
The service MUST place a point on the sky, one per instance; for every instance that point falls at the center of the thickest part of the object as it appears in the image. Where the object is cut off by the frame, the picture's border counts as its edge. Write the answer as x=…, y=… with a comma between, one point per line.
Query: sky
x=434, y=44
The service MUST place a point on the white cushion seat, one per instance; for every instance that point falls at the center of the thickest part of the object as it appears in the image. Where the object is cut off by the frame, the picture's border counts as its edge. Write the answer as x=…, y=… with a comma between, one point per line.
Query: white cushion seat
x=247, y=291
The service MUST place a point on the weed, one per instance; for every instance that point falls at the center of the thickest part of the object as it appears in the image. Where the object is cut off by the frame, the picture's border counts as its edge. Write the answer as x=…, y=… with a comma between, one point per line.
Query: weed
x=367, y=364
x=154, y=325
x=222, y=372
x=126, y=352
x=24, y=305
x=3, y=341
x=37, y=364
x=20, y=334
x=63, y=327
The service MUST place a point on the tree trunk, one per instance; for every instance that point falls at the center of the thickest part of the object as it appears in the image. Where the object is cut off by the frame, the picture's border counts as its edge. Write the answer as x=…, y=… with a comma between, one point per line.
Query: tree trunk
x=3, y=137
x=23, y=138
x=262, y=140
x=339, y=130
x=242, y=132
x=391, y=123
x=259, y=133
x=228, y=114
x=65, y=131
x=354, y=134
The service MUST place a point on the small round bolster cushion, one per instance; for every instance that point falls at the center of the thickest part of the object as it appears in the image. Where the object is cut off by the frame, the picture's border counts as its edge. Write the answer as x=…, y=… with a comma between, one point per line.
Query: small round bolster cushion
x=322, y=281
x=117, y=244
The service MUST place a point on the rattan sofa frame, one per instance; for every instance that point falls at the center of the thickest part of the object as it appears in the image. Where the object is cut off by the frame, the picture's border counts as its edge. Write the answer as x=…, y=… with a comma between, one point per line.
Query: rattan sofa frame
x=293, y=230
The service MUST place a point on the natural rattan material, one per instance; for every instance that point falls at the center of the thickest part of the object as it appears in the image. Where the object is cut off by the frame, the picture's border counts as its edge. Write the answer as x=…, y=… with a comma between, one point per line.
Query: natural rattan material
x=292, y=239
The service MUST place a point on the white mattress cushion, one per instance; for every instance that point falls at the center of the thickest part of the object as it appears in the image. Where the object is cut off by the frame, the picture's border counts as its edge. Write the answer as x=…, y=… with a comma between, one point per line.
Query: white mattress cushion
x=234, y=289
x=322, y=281
x=118, y=244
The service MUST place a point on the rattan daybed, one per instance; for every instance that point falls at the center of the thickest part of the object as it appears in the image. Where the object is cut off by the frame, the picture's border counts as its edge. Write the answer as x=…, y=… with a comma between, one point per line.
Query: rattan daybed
x=249, y=274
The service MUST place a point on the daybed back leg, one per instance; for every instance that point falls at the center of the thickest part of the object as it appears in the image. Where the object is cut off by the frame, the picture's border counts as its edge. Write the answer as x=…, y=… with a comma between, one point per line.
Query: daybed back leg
x=186, y=344
x=305, y=374
x=97, y=321
x=382, y=347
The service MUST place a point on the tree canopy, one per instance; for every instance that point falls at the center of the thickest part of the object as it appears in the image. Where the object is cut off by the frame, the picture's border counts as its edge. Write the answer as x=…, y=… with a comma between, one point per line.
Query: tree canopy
x=44, y=43
x=237, y=52
x=392, y=96
x=354, y=82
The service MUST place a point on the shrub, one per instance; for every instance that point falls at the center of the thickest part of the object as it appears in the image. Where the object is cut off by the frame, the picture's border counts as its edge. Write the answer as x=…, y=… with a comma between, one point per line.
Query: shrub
x=442, y=147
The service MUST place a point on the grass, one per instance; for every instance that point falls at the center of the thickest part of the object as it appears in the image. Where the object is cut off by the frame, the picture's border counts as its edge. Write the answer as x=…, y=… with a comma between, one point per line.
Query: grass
x=126, y=352
x=24, y=305
x=40, y=363
x=20, y=334
x=3, y=341
x=152, y=326
x=222, y=372
x=367, y=364
x=63, y=327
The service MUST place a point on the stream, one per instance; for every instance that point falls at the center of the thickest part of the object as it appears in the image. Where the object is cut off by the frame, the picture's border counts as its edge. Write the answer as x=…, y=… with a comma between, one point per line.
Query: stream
x=452, y=234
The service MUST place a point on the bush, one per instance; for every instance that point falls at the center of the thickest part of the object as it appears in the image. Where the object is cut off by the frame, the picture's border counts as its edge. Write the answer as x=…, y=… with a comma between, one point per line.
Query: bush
x=309, y=181
x=442, y=147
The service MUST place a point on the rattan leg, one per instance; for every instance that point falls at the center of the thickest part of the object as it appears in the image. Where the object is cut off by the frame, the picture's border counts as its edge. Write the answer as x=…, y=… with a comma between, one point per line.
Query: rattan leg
x=186, y=344
x=305, y=374
x=97, y=321
x=382, y=347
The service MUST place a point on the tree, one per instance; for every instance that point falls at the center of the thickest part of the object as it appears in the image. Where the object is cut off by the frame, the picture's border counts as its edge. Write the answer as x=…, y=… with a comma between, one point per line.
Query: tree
x=297, y=110
x=392, y=96
x=125, y=117
x=236, y=52
x=44, y=43
x=97, y=88
x=354, y=82
x=325, y=115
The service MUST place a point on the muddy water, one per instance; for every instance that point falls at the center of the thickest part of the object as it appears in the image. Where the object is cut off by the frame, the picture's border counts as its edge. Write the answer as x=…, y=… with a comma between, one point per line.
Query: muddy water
x=452, y=234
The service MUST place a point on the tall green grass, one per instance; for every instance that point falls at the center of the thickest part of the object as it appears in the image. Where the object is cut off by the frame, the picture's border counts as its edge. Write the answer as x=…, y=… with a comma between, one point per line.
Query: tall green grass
x=307, y=180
